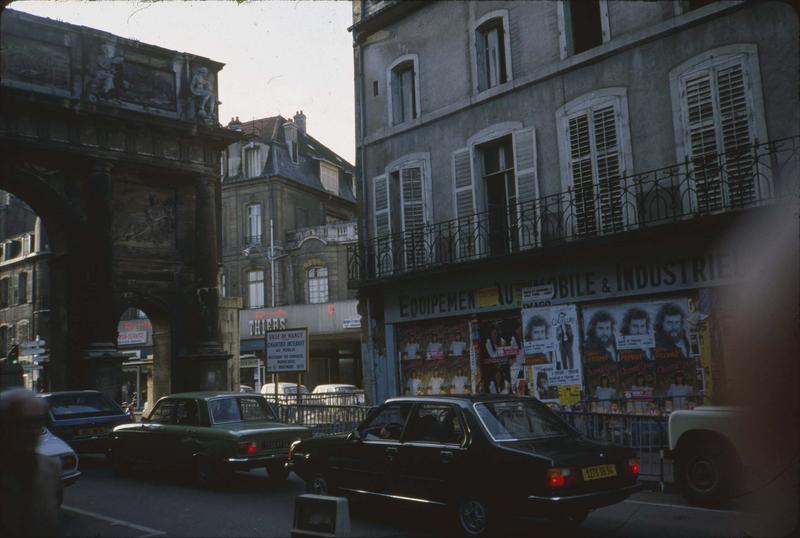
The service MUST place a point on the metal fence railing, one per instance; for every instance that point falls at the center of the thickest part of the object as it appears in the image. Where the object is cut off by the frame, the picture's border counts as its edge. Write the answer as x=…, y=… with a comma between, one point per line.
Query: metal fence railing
x=324, y=419
x=319, y=398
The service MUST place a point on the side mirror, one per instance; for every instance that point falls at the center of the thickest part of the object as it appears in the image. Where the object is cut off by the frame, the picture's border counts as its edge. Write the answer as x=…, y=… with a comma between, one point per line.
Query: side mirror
x=355, y=435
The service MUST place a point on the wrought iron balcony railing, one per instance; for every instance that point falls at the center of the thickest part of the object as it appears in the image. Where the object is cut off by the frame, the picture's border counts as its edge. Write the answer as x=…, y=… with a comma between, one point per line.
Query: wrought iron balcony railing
x=708, y=184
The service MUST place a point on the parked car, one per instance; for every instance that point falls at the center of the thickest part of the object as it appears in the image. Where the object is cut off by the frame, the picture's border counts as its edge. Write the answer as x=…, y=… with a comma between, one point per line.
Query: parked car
x=210, y=434
x=287, y=392
x=84, y=418
x=52, y=446
x=338, y=394
x=486, y=457
x=246, y=388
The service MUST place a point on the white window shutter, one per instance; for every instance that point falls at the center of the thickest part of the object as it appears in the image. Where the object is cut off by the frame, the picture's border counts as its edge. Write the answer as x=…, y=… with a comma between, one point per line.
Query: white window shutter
x=383, y=225
x=413, y=215
x=736, y=135
x=581, y=177
x=608, y=168
x=527, y=187
x=464, y=204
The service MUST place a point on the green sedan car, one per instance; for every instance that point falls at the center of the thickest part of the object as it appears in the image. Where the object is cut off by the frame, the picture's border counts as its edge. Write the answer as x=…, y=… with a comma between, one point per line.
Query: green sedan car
x=209, y=434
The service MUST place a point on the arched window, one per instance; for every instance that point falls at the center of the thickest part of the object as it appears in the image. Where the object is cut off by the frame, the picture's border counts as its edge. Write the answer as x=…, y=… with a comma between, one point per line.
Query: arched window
x=317, y=285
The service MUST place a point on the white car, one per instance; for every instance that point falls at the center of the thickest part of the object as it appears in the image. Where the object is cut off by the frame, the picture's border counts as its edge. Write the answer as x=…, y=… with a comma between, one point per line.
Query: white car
x=339, y=394
x=286, y=391
x=52, y=446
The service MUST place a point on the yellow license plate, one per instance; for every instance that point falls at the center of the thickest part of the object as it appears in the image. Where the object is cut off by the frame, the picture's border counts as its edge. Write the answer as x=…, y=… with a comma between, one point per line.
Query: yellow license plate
x=92, y=431
x=599, y=471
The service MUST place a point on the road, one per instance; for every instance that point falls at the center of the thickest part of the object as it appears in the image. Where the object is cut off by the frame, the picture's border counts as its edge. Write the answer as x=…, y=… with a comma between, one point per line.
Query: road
x=103, y=503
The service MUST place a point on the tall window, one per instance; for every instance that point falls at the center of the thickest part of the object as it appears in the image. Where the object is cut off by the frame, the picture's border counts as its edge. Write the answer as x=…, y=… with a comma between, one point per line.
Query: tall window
x=255, y=289
x=22, y=287
x=491, y=54
x=329, y=177
x=595, y=147
x=501, y=192
x=583, y=25
x=404, y=92
x=5, y=289
x=252, y=162
x=253, y=236
x=317, y=285
x=718, y=101
x=3, y=340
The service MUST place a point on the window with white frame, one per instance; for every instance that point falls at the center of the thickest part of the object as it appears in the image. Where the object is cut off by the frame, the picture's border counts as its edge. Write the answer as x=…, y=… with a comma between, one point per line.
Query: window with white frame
x=582, y=25
x=594, y=144
x=329, y=177
x=252, y=162
x=317, y=285
x=718, y=110
x=492, y=52
x=404, y=87
x=255, y=289
x=253, y=236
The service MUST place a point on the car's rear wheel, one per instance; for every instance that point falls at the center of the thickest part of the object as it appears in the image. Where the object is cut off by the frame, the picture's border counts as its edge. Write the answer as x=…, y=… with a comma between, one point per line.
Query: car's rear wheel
x=474, y=517
x=205, y=473
x=318, y=484
x=577, y=517
x=277, y=472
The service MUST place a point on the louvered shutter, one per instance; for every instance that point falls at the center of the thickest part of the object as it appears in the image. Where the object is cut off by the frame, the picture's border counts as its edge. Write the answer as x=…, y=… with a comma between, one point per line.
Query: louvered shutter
x=736, y=129
x=492, y=57
x=412, y=200
x=464, y=205
x=580, y=169
x=608, y=167
x=383, y=226
x=702, y=141
x=527, y=208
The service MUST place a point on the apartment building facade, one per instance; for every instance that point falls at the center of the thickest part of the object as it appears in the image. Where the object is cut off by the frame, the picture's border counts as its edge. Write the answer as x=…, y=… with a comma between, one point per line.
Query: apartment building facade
x=288, y=212
x=547, y=189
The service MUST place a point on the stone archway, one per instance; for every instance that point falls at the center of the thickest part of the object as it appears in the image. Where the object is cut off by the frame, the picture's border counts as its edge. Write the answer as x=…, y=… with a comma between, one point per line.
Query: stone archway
x=116, y=144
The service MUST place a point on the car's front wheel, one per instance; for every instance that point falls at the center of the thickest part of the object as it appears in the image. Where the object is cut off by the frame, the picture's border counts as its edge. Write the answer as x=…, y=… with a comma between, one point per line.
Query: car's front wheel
x=705, y=472
x=277, y=471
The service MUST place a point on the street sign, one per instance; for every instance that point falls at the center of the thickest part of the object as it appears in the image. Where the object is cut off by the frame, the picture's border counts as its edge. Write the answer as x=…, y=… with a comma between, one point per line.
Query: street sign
x=31, y=351
x=287, y=350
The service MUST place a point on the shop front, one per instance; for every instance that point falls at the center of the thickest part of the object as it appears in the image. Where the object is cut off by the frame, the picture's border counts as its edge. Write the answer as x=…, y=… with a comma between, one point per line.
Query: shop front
x=334, y=342
x=635, y=336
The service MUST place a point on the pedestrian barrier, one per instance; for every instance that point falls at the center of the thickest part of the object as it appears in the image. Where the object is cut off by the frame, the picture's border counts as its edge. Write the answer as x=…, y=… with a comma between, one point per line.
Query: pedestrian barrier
x=323, y=419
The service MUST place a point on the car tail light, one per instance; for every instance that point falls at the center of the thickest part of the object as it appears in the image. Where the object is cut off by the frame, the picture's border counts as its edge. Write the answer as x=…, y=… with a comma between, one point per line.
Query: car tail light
x=633, y=466
x=248, y=448
x=561, y=477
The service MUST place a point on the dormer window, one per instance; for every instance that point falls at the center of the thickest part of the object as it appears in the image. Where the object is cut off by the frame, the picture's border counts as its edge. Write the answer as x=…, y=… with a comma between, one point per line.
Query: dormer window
x=329, y=177
x=290, y=135
x=252, y=162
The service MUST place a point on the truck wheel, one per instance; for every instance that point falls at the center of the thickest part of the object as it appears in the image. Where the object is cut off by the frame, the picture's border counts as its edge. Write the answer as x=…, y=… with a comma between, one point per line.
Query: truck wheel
x=704, y=471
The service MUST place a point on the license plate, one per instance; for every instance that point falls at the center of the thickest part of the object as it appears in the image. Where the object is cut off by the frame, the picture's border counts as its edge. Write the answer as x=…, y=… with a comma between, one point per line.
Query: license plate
x=599, y=471
x=99, y=430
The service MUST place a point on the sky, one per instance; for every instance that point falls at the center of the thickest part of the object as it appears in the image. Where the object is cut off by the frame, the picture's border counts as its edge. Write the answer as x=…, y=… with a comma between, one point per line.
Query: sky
x=280, y=56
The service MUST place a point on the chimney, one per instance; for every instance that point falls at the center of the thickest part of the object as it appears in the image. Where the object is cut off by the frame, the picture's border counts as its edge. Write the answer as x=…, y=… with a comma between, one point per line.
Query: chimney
x=235, y=124
x=300, y=121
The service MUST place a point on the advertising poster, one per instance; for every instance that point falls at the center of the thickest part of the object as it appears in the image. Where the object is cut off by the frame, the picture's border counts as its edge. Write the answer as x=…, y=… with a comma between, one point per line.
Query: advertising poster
x=551, y=343
x=435, y=357
x=500, y=354
x=628, y=348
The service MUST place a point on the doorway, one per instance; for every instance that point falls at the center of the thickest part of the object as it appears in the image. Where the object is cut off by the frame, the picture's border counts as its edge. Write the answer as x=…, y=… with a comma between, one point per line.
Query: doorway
x=501, y=195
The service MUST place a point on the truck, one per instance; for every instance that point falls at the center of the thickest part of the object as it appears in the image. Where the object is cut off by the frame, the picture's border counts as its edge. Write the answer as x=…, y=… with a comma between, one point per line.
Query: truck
x=707, y=445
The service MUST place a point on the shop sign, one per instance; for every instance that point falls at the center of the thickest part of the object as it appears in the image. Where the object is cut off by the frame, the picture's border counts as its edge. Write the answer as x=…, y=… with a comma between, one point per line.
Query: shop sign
x=287, y=350
x=249, y=363
x=462, y=301
x=259, y=326
x=538, y=295
x=133, y=337
x=354, y=323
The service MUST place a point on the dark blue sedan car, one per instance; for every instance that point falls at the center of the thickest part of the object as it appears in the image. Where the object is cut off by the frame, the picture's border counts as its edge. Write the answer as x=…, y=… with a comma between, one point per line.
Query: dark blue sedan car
x=84, y=419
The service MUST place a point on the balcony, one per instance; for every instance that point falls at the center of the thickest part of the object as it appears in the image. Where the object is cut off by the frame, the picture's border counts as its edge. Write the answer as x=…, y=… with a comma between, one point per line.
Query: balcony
x=253, y=240
x=341, y=232
x=709, y=184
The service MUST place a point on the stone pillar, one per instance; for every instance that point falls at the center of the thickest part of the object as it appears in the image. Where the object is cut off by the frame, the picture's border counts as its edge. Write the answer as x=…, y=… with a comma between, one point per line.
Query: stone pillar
x=205, y=366
x=103, y=368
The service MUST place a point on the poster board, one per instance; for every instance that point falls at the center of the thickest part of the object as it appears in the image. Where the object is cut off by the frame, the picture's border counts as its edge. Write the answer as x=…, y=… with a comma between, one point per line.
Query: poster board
x=286, y=350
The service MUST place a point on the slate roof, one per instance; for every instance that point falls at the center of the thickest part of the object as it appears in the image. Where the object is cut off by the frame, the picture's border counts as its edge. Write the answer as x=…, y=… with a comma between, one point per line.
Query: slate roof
x=270, y=131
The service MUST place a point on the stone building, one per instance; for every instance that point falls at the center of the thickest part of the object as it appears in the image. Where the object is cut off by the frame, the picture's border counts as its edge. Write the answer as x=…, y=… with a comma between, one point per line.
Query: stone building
x=539, y=178
x=24, y=284
x=286, y=195
x=115, y=145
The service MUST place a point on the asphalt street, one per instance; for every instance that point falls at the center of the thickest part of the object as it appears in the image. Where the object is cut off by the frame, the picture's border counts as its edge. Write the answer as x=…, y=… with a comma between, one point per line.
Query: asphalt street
x=103, y=503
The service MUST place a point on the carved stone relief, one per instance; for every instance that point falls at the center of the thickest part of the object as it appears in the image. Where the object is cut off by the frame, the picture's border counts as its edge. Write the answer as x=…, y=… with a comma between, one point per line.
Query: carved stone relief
x=144, y=217
x=106, y=80
x=149, y=86
x=34, y=62
x=204, y=99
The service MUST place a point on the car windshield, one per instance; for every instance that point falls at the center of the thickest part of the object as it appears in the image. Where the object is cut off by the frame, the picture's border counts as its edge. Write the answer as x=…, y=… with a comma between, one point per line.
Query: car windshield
x=240, y=409
x=81, y=405
x=519, y=419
